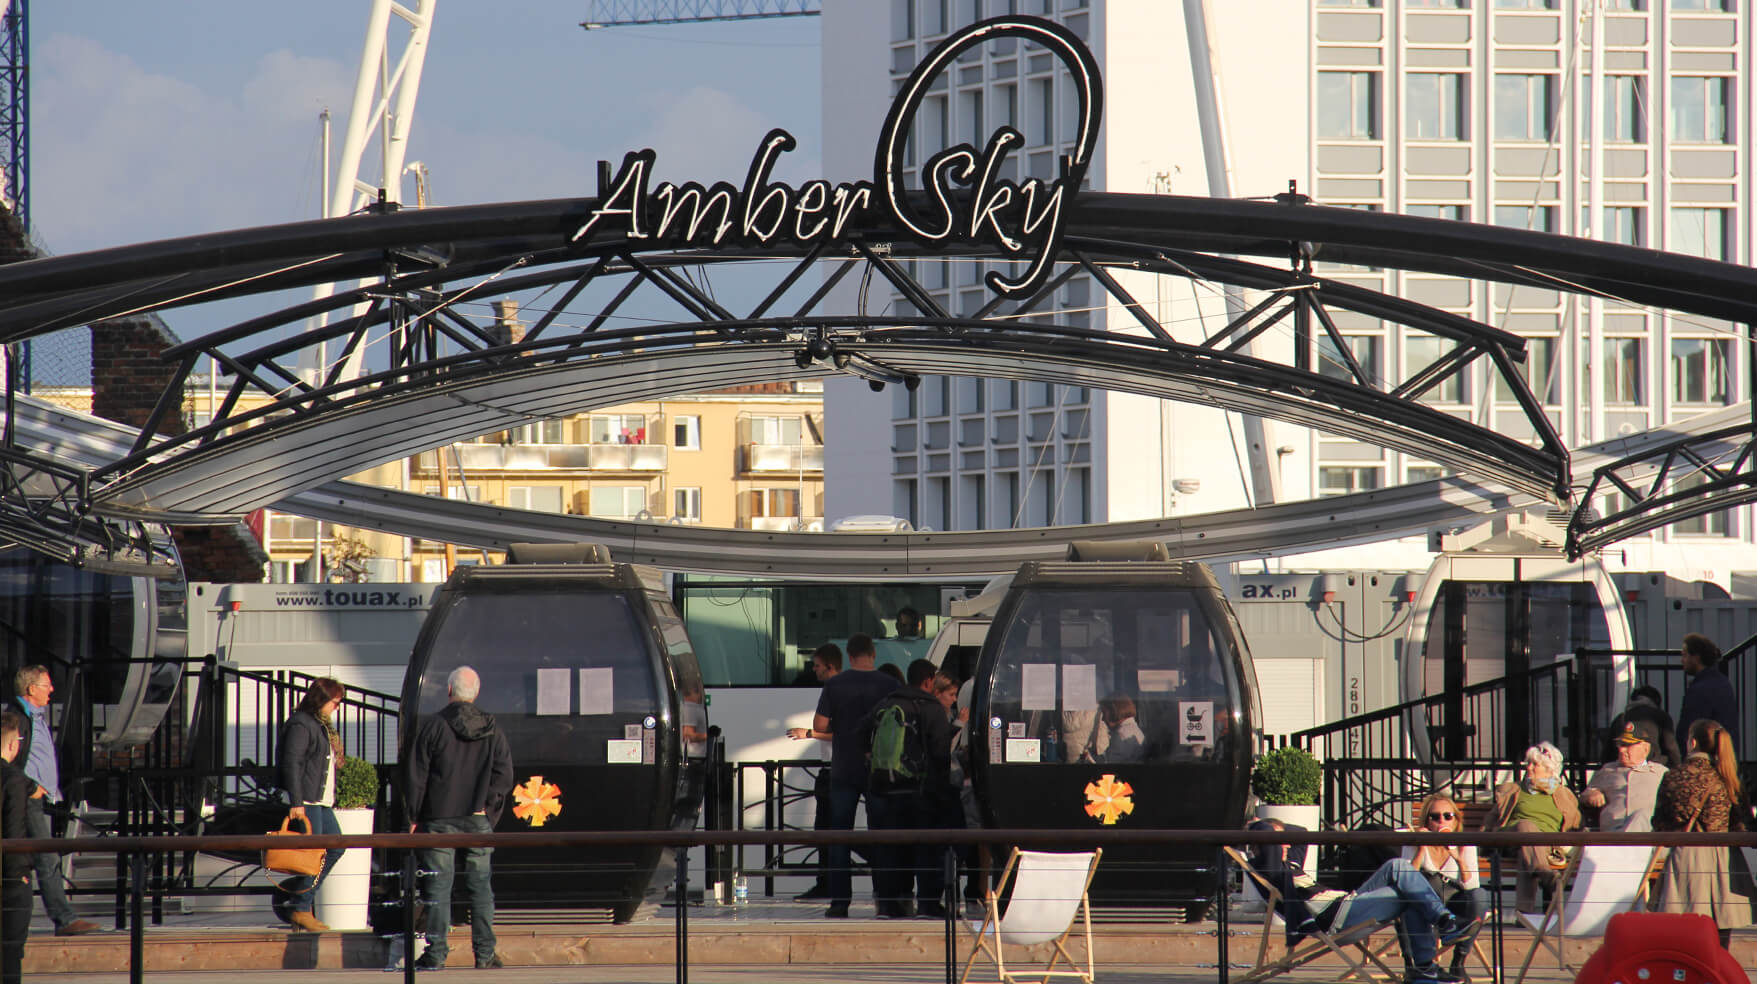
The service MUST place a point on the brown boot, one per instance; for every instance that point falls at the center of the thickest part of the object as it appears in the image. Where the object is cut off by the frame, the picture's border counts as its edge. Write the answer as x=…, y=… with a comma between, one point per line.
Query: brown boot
x=308, y=922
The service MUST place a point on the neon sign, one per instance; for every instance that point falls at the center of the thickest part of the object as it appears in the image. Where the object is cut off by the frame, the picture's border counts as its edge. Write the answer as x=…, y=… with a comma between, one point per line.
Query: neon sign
x=962, y=196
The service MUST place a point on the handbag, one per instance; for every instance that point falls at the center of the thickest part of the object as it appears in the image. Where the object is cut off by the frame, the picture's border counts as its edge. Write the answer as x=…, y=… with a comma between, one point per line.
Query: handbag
x=293, y=860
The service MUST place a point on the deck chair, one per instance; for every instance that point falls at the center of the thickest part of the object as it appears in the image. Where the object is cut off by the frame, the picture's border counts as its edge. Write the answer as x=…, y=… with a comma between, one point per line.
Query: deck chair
x=1049, y=895
x=1353, y=944
x=1599, y=882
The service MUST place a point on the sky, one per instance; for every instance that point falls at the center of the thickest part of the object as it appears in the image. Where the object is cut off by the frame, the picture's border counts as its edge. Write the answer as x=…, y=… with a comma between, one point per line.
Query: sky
x=156, y=120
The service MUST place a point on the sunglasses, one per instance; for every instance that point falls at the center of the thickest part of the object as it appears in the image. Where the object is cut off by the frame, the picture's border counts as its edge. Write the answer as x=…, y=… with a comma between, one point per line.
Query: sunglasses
x=1442, y=816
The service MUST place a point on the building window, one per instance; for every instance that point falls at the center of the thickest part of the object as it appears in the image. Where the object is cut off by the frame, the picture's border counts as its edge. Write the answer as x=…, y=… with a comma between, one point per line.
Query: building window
x=1708, y=524
x=1700, y=232
x=1456, y=213
x=774, y=502
x=686, y=433
x=618, y=501
x=1366, y=352
x=902, y=20
x=540, y=432
x=457, y=493
x=1423, y=473
x=1006, y=394
x=1438, y=4
x=1538, y=218
x=1540, y=370
x=1421, y=351
x=933, y=17
x=1348, y=105
x=1713, y=6
x=618, y=428
x=775, y=430
x=1700, y=109
x=1700, y=370
x=1348, y=3
x=1624, y=224
x=542, y=498
x=686, y=504
x=1525, y=4
x=1434, y=108
x=1344, y=479
x=1525, y=106
x=1622, y=367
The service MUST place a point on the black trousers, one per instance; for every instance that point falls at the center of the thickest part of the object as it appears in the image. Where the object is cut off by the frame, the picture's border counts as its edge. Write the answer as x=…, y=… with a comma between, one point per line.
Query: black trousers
x=15, y=925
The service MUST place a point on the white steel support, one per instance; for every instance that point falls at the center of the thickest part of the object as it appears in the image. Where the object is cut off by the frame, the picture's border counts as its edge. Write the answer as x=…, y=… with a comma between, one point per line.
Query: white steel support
x=1594, y=362
x=1264, y=466
x=384, y=103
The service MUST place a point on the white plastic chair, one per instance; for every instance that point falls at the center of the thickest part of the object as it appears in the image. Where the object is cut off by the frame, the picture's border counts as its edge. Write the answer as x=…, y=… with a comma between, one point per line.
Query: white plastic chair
x=1049, y=894
x=1606, y=880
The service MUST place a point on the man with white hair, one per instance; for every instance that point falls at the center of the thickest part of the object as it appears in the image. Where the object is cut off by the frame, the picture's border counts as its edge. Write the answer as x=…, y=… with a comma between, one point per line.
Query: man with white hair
x=460, y=772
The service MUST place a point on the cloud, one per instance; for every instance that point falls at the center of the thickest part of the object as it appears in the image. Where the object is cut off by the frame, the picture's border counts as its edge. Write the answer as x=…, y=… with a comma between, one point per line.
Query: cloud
x=122, y=155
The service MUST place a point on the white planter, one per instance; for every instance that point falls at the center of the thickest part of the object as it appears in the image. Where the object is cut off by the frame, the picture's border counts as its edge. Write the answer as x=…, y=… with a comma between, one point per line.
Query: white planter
x=1308, y=817
x=342, y=899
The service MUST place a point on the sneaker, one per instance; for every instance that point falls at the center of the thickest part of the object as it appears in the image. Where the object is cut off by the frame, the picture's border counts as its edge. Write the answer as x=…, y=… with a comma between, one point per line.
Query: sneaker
x=429, y=962
x=492, y=963
x=78, y=927
x=1431, y=973
x=307, y=922
x=1452, y=929
x=837, y=910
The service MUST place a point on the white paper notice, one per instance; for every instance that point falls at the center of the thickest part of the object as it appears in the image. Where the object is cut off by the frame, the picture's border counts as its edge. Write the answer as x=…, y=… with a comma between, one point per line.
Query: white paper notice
x=554, y=691
x=1156, y=681
x=1079, y=687
x=1196, y=721
x=621, y=751
x=1024, y=750
x=597, y=690
x=1037, y=686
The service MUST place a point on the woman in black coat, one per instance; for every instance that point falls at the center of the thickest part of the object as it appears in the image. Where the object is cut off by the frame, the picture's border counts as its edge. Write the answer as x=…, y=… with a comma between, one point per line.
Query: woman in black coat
x=309, y=755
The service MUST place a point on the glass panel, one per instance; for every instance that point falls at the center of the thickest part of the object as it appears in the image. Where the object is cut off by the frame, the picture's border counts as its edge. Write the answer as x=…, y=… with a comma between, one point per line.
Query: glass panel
x=555, y=629
x=1699, y=370
x=1348, y=105
x=1435, y=109
x=1113, y=673
x=1622, y=370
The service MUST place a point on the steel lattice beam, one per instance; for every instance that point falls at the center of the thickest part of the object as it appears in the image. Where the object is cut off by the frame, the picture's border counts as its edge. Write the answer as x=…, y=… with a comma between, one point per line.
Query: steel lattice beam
x=1677, y=480
x=634, y=13
x=15, y=109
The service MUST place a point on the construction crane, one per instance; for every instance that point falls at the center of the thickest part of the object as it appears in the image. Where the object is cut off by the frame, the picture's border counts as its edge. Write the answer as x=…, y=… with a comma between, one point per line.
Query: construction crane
x=15, y=110
x=630, y=13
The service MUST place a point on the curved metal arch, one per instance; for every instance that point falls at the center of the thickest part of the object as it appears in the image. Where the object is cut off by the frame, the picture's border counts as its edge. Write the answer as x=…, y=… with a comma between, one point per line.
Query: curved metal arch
x=56, y=292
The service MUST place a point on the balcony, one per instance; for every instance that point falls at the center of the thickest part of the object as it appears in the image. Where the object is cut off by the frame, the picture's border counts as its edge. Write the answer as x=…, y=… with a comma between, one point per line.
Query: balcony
x=783, y=459
x=771, y=524
x=478, y=458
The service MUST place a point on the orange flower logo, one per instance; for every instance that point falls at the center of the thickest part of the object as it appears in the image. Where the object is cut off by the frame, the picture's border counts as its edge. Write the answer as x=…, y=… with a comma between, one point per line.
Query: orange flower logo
x=1107, y=799
x=536, y=801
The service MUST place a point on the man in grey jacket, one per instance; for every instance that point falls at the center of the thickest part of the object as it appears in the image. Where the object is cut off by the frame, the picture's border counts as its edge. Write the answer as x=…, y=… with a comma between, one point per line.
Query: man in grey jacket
x=460, y=772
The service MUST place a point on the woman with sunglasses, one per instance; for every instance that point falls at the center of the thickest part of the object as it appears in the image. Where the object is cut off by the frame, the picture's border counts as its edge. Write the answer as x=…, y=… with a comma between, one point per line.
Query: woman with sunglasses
x=1453, y=871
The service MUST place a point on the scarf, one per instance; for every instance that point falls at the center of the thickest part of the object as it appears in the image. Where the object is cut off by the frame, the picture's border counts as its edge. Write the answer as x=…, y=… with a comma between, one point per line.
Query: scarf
x=335, y=740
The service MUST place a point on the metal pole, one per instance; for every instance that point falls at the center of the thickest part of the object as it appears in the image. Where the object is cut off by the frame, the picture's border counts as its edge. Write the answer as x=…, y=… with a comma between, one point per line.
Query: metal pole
x=1221, y=897
x=1497, y=940
x=949, y=896
x=136, y=931
x=682, y=920
x=409, y=897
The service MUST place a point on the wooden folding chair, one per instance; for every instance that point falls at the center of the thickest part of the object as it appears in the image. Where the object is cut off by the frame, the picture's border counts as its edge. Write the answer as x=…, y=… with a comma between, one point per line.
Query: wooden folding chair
x=1049, y=894
x=1599, y=882
x=1351, y=944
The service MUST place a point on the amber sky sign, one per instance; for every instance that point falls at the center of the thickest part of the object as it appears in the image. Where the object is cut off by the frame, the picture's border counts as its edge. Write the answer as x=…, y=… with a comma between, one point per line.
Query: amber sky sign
x=965, y=200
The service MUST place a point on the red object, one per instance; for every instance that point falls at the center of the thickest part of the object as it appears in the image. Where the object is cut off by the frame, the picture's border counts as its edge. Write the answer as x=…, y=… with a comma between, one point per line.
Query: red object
x=237, y=606
x=1661, y=948
x=254, y=523
x=1329, y=596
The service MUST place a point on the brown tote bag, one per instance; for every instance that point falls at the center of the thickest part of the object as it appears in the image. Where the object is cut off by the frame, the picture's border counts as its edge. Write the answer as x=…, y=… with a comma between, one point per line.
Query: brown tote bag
x=293, y=860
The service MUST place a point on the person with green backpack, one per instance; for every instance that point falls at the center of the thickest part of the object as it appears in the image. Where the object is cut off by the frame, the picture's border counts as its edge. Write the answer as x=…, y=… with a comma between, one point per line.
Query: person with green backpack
x=908, y=787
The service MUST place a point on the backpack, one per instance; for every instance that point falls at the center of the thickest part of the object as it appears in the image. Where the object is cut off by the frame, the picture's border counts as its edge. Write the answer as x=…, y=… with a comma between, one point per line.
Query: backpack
x=898, y=752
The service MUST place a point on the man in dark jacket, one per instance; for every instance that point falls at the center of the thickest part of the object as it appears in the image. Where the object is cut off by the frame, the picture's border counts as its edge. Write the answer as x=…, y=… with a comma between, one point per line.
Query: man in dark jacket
x=15, y=869
x=460, y=772
x=909, y=878
x=1710, y=694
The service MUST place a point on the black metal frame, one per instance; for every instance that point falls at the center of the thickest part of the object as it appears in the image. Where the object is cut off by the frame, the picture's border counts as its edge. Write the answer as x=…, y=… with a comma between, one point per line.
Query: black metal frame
x=1723, y=464
x=411, y=261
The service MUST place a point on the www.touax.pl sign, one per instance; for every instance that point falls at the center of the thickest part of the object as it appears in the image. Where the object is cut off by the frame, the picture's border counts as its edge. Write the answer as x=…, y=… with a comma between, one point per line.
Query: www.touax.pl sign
x=966, y=198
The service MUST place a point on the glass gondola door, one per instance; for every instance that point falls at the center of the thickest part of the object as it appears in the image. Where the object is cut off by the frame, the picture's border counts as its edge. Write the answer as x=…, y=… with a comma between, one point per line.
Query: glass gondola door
x=1482, y=619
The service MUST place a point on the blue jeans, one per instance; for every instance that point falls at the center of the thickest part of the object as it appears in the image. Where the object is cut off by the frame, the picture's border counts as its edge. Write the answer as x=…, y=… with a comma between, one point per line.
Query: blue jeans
x=47, y=865
x=440, y=865
x=844, y=800
x=299, y=892
x=1396, y=890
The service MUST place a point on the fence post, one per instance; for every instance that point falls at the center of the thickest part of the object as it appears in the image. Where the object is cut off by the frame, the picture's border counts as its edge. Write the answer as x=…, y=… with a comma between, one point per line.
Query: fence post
x=136, y=932
x=410, y=894
x=1221, y=931
x=1497, y=941
x=682, y=920
x=949, y=899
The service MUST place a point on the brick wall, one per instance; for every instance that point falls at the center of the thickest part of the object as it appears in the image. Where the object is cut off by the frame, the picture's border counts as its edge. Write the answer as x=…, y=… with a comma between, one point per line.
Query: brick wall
x=128, y=374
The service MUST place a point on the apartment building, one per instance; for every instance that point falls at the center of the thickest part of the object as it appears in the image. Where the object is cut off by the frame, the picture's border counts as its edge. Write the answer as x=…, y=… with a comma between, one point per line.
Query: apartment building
x=1475, y=110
